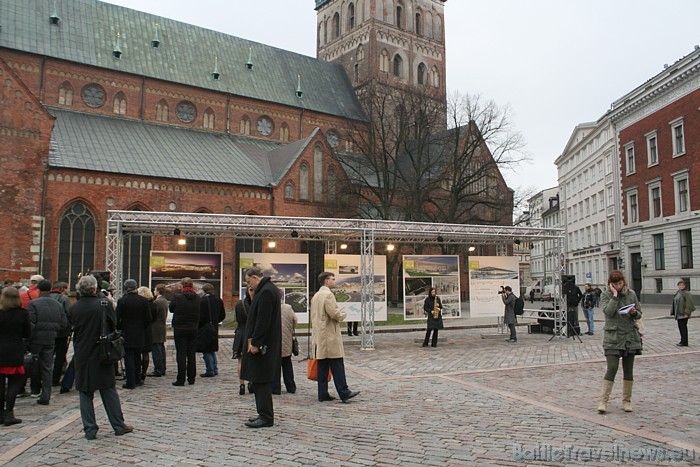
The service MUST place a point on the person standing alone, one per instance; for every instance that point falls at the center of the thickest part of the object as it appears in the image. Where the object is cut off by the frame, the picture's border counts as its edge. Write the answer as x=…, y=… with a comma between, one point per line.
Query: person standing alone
x=509, y=312
x=589, y=299
x=433, y=308
x=681, y=310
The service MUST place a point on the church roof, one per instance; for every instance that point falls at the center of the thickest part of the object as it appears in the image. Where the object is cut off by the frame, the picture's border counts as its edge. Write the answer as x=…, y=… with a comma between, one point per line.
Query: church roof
x=116, y=145
x=88, y=31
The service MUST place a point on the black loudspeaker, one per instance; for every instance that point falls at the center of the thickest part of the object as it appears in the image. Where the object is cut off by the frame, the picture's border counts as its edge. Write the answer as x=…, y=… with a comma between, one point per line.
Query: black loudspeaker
x=568, y=278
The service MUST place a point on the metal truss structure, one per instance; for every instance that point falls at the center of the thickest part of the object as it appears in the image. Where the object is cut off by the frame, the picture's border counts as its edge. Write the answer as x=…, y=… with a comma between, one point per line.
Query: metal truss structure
x=122, y=224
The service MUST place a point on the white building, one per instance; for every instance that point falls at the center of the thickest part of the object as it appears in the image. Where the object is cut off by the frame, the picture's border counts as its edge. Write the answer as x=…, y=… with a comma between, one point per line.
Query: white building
x=541, y=256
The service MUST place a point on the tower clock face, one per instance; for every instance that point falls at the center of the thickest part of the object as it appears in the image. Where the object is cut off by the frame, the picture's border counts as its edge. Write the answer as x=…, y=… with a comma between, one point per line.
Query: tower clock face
x=265, y=126
x=332, y=138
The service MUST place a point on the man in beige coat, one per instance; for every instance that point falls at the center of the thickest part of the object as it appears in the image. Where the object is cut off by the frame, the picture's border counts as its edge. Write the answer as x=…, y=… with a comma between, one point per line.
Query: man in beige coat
x=326, y=340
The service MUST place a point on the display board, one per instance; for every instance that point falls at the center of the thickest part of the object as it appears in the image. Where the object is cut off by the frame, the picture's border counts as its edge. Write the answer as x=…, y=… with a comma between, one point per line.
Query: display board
x=348, y=284
x=487, y=274
x=420, y=274
x=289, y=272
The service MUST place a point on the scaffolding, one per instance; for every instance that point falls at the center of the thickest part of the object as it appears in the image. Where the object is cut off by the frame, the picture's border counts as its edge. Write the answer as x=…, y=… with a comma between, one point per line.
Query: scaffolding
x=366, y=232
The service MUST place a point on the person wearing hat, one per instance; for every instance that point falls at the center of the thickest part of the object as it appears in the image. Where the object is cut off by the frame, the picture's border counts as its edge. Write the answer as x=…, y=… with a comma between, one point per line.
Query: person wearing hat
x=49, y=320
x=32, y=292
x=133, y=317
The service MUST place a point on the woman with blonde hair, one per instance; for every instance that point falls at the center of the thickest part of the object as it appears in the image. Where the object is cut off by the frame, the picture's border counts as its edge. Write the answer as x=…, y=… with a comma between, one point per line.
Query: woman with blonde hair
x=14, y=326
x=621, y=337
x=146, y=293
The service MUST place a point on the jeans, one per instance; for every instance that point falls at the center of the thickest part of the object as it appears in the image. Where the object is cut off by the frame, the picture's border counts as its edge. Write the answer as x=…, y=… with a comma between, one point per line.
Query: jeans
x=211, y=363
x=42, y=373
x=69, y=376
x=337, y=368
x=588, y=313
x=185, y=353
x=110, y=401
x=158, y=352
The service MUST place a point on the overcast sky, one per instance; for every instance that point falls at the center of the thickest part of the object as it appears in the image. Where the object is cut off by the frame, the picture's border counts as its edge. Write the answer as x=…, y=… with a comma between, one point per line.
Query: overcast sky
x=556, y=63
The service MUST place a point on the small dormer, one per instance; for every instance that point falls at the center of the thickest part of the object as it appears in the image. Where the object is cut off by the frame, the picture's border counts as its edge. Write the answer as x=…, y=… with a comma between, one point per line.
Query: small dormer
x=53, y=18
x=299, y=92
x=155, y=42
x=215, y=75
x=249, y=63
x=117, y=52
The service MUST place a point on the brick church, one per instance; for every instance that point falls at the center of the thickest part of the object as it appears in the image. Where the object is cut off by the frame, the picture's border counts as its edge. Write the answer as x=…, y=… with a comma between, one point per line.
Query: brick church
x=104, y=107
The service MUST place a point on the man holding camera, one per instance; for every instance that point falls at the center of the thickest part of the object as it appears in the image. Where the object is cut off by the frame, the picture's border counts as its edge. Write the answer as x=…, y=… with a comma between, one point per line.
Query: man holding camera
x=263, y=335
x=509, y=311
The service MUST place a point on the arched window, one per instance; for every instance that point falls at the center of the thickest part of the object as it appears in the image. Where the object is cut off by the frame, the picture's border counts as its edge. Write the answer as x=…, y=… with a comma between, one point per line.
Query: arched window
x=120, y=104
x=331, y=185
x=284, y=132
x=208, y=119
x=76, y=243
x=419, y=24
x=304, y=181
x=136, y=254
x=398, y=66
x=336, y=26
x=65, y=94
x=421, y=75
x=438, y=28
x=325, y=31
x=245, y=125
x=360, y=52
x=162, y=111
x=289, y=190
x=435, y=77
x=351, y=16
x=399, y=16
x=318, y=173
x=428, y=25
x=384, y=61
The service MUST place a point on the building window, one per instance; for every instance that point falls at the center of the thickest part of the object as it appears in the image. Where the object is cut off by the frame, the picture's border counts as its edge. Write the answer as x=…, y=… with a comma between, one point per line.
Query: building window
x=421, y=74
x=678, y=135
x=318, y=174
x=686, y=248
x=65, y=94
x=203, y=244
x=419, y=24
x=284, y=133
x=135, y=257
x=398, y=65
x=244, y=245
x=360, y=53
x=336, y=26
x=384, y=61
x=629, y=150
x=208, y=119
x=659, y=285
x=244, y=125
x=655, y=200
x=632, y=208
x=435, y=77
x=162, y=111
x=120, y=104
x=351, y=16
x=652, y=150
x=682, y=195
x=331, y=185
x=356, y=73
x=687, y=283
x=304, y=182
x=76, y=244
x=399, y=17
x=659, y=260
x=186, y=112
x=289, y=190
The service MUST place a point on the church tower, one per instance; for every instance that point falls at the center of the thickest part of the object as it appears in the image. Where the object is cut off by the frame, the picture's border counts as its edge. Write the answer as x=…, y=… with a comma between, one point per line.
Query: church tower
x=399, y=44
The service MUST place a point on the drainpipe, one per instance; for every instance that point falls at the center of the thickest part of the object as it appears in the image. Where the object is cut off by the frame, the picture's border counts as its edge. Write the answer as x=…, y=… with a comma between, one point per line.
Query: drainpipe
x=272, y=199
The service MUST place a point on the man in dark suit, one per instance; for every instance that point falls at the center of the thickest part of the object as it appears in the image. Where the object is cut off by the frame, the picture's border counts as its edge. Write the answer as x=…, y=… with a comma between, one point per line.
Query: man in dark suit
x=263, y=337
x=133, y=317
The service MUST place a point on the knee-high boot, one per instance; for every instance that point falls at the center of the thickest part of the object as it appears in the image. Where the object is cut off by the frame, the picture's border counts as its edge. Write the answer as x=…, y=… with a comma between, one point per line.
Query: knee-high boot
x=627, y=395
x=607, y=389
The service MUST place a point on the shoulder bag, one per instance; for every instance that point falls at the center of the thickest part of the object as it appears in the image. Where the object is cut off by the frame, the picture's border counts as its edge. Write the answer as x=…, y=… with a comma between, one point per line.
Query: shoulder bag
x=206, y=335
x=111, y=344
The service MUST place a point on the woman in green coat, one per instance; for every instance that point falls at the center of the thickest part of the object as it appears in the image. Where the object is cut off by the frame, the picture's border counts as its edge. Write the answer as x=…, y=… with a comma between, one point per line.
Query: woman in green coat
x=621, y=339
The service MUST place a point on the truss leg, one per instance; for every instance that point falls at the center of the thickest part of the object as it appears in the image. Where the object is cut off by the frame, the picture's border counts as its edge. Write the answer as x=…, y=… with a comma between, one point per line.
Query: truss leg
x=367, y=292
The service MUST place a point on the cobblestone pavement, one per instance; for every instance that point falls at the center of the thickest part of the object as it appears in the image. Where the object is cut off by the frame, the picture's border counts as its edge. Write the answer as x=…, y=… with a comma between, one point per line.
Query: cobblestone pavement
x=471, y=400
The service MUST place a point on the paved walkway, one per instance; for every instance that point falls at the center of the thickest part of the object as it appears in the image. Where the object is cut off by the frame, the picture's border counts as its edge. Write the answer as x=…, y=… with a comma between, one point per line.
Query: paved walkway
x=469, y=401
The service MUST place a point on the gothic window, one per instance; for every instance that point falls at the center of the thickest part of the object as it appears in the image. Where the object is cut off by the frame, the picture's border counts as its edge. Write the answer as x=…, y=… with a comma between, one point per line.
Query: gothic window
x=419, y=24
x=120, y=104
x=325, y=32
x=360, y=52
x=399, y=16
x=136, y=253
x=421, y=74
x=208, y=119
x=428, y=22
x=162, y=111
x=438, y=28
x=398, y=65
x=351, y=16
x=284, y=132
x=336, y=26
x=186, y=112
x=331, y=185
x=265, y=126
x=304, y=181
x=332, y=138
x=245, y=125
x=65, y=94
x=76, y=243
x=318, y=173
x=93, y=95
x=289, y=190
x=435, y=77
x=356, y=73
x=384, y=61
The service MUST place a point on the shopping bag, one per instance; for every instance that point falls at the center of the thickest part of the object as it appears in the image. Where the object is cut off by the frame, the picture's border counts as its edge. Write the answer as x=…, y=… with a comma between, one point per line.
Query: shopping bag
x=312, y=370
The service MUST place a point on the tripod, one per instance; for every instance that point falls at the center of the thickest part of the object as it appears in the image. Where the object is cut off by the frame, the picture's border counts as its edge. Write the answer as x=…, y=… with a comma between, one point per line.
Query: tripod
x=571, y=329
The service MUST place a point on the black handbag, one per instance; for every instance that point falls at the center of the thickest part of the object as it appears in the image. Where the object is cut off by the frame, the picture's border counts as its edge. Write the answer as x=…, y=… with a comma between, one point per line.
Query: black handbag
x=206, y=335
x=111, y=344
x=29, y=360
x=295, y=346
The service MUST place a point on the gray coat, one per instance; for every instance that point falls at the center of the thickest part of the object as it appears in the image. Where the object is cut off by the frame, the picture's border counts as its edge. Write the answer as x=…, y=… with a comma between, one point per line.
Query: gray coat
x=509, y=312
x=49, y=320
x=86, y=318
x=158, y=328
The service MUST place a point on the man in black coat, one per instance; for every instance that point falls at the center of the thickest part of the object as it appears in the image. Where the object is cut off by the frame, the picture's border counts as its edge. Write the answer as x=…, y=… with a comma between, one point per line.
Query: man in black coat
x=185, y=309
x=49, y=319
x=264, y=337
x=87, y=316
x=133, y=317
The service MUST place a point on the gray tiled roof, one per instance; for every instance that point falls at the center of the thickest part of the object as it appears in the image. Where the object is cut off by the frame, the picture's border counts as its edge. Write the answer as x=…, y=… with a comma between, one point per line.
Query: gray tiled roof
x=116, y=145
x=87, y=33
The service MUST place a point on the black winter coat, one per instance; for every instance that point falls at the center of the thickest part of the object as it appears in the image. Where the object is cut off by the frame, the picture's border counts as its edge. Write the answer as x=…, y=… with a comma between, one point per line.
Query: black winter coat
x=241, y=319
x=14, y=326
x=133, y=318
x=264, y=327
x=185, y=310
x=48, y=318
x=86, y=317
x=428, y=306
x=218, y=313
